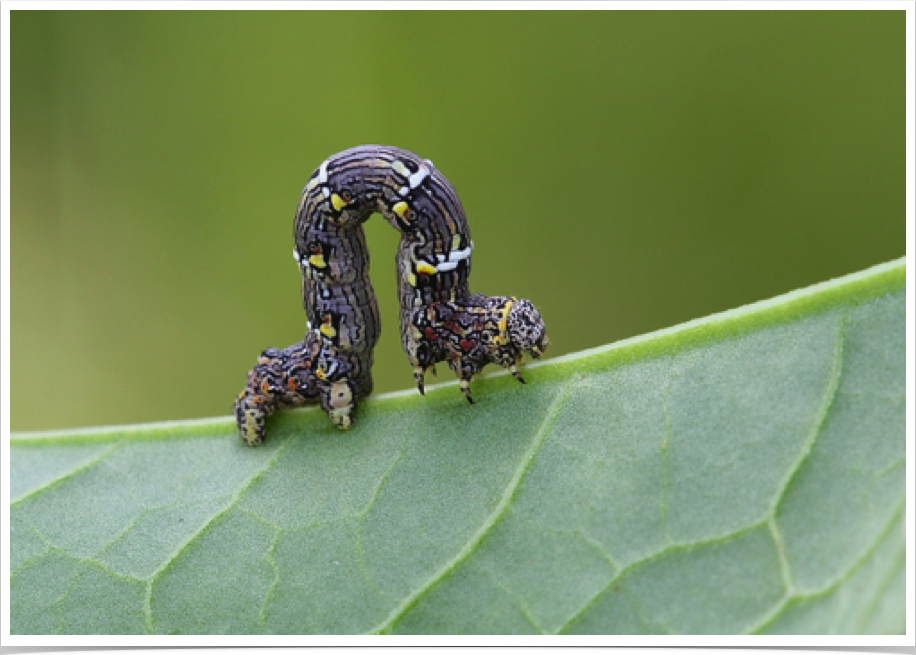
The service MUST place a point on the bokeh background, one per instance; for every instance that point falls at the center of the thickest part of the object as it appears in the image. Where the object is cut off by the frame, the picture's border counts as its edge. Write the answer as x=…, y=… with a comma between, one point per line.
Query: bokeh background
x=625, y=170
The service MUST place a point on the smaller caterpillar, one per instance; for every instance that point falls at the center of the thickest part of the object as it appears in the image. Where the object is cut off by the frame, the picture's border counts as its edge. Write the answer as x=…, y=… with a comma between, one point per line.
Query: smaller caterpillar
x=440, y=319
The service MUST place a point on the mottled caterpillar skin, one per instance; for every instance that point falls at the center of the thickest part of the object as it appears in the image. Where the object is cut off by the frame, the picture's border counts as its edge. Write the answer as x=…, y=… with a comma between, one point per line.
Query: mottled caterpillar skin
x=440, y=319
x=280, y=379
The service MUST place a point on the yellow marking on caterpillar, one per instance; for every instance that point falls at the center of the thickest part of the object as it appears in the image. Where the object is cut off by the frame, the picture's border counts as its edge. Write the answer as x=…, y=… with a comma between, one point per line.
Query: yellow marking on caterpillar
x=502, y=337
x=317, y=261
x=401, y=209
x=505, y=315
x=426, y=269
x=456, y=242
x=400, y=168
x=338, y=202
x=328, y=330
x=412, y=281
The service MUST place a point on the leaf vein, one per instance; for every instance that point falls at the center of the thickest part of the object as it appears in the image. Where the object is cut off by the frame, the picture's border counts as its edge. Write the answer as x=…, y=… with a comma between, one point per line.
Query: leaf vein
x=820, y=417
x=840, y=579
x=232, y=502
x=82, y=466
x=661, y=553
x=494, y=517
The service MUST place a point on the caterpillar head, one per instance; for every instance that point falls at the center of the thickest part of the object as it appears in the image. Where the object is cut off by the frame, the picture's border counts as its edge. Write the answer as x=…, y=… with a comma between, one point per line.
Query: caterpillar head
x=526, y=328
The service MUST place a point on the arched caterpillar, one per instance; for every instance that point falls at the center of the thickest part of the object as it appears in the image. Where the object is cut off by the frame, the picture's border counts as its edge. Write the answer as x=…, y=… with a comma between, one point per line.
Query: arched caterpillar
x=440, y=319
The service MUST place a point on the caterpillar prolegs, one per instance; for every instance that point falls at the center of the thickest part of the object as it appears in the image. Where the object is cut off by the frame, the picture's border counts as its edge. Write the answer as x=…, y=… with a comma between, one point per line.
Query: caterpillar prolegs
x=440, y=319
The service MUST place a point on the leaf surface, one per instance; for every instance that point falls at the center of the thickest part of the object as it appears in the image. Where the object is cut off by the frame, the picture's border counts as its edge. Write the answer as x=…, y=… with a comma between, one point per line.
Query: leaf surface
x=737, y=474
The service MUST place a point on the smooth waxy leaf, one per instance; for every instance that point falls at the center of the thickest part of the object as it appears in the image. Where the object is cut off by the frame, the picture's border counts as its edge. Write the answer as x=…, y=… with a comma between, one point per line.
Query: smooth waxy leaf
x=742, y=473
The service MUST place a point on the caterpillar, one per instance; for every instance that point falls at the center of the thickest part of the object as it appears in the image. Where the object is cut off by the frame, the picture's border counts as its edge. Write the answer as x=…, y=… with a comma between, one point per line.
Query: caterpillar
x=440, y=319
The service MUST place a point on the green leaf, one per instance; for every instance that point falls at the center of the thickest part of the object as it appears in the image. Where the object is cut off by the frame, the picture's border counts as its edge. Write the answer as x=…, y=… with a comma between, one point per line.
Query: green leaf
x=741, y=473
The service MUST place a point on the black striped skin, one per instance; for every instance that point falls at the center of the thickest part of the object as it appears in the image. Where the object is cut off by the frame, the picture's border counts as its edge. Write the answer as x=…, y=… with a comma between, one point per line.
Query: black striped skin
x=440, y=320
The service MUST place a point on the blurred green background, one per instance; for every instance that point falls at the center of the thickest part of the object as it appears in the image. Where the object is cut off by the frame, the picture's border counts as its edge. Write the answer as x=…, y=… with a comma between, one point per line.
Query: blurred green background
x=627, y=171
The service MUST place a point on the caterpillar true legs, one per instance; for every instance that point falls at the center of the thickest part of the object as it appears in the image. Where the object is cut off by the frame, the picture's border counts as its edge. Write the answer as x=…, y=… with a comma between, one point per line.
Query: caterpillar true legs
x=440, y=320
x=473, y=332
